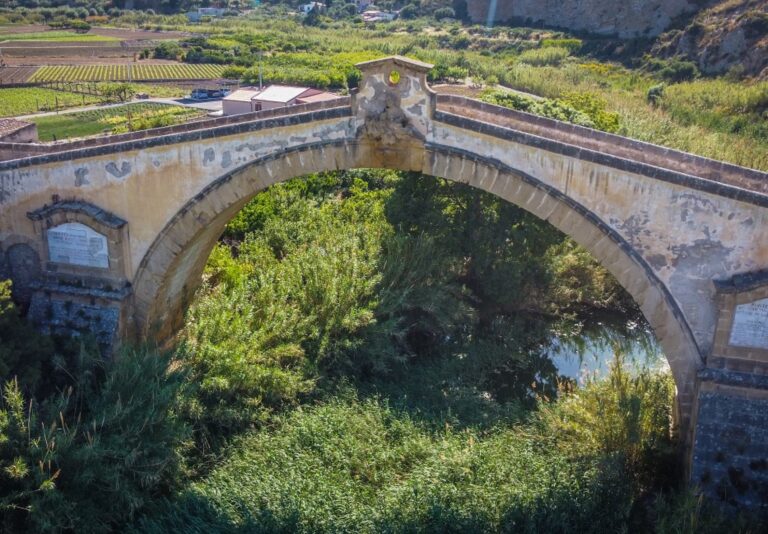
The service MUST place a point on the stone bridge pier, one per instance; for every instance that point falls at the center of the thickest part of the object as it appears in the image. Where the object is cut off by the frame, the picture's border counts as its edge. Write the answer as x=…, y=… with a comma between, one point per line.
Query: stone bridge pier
x=109, y=236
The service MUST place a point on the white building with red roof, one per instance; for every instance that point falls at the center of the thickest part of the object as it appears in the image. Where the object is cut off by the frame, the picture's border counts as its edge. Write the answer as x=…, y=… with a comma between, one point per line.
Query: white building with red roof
x=249, y=99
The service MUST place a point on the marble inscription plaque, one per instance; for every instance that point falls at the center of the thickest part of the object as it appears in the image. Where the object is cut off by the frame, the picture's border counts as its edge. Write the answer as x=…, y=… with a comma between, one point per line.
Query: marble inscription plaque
x=750, y=325
x=77, y=244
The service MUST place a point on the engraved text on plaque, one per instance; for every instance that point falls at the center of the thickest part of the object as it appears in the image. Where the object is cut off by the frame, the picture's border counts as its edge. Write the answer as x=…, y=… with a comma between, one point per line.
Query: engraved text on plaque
x=750, y=325
x=77, y=244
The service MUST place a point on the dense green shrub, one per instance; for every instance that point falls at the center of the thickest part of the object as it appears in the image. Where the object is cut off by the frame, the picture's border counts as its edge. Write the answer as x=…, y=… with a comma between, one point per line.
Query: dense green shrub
x=572, y=45
x=293, y=301
x=550, y=55
x=655, y=94
x=444, y=13
x=595, y=107
x=350, y=465
x=23, y=354
x=553, y=109
x=672, y=70
x=584, y=109
x=168, y=50
x=629, y=414
x=410, y=11
x=88, y=458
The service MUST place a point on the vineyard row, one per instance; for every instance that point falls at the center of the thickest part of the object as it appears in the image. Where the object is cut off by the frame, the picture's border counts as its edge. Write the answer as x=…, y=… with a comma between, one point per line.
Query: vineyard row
x=99, y=73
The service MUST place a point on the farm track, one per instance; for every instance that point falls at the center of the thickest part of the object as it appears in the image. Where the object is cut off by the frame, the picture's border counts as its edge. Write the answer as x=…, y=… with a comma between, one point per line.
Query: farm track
x=80, y=60
x=72, y=54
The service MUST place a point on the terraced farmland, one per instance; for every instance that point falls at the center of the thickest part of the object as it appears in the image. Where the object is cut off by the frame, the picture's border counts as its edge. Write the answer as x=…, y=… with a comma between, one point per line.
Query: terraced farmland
x=97, y=73
x=16, y=74
x=80, y=73
x=176, y=72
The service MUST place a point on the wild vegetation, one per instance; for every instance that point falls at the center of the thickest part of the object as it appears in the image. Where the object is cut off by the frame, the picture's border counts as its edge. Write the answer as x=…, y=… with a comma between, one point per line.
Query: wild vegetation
x=371, y=351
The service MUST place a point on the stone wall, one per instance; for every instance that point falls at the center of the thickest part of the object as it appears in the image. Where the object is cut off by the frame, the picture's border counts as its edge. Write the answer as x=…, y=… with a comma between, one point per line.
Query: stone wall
x=633, y=18
x=730, y=450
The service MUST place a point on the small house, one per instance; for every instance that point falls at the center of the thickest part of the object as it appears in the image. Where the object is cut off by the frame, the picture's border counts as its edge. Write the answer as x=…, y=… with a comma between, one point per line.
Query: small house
x=372, y=14
x=17, y=131
x=212, y=12
x=249, y=99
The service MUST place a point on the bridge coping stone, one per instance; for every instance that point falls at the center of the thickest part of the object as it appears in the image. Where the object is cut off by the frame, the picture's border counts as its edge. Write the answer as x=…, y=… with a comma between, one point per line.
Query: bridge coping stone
x=566, y=132
x=754, y=192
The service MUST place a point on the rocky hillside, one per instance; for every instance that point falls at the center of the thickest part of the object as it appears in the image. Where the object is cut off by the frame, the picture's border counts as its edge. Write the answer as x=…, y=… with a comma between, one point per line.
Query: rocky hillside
x=621, y=18
x=729, y=36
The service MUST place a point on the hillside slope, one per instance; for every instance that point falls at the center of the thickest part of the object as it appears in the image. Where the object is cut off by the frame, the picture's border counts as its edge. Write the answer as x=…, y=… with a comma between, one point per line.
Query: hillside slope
x=636, y=18
x=731, y=36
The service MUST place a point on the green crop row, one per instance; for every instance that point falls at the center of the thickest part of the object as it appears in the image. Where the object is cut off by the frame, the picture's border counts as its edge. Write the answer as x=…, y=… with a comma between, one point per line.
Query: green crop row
x=96, y=73
x=176, y=71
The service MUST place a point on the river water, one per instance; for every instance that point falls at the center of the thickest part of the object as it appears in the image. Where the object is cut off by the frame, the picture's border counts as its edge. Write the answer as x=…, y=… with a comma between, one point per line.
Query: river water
x=591, y=355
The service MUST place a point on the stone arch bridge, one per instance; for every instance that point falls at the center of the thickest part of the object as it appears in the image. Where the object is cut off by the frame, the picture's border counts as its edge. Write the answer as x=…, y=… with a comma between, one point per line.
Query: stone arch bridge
x=110, y=235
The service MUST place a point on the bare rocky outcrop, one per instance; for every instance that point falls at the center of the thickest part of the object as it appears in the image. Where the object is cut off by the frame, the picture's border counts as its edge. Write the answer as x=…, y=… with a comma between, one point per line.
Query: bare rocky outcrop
x=730, y=35
x=622, y=18
x=718, y=35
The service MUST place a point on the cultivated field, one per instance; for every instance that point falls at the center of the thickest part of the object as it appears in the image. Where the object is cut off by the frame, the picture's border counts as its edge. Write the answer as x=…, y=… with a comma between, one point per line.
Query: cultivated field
x=110, y=120
x=38, y=54
x=55, y=36
x=17, y=53
x=32, y=45
x=24, y=100
x=143, y=35
x=16, y=74
x=145, y=72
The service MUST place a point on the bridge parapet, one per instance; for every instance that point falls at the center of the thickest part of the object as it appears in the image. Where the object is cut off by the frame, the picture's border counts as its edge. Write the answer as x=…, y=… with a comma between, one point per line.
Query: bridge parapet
x=626, y=148
x=10, y=151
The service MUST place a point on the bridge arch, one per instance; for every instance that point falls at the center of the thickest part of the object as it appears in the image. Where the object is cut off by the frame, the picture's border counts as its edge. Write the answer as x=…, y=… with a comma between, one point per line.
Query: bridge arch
x=171, y=270
x=686, y=236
